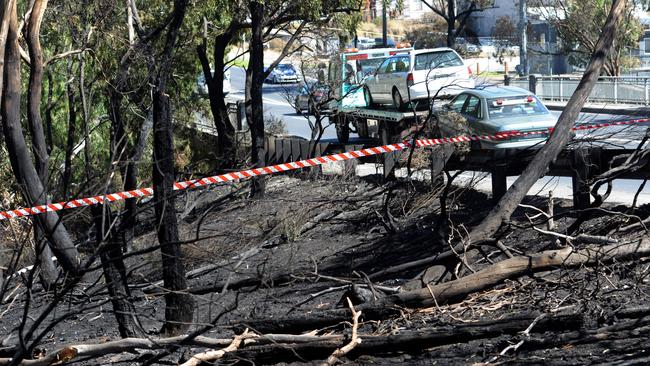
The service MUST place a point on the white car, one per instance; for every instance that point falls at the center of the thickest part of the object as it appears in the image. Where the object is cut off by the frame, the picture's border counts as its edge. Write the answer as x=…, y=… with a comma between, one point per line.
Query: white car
x=202, y=86
x=418, y=75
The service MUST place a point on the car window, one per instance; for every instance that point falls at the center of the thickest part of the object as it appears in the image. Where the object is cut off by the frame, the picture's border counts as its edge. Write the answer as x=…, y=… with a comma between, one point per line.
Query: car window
x=458, y=102
x=390, y=67
x=473, y=107
x=434, y=60
x=382, y=68
x=402, y=64
x=517, y=106
x=282, y=67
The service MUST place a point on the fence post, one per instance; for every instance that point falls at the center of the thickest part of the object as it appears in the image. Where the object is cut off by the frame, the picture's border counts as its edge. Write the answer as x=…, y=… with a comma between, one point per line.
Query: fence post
x=561, y=97
x=615, y=89
x=507, y=79
x=499, y=172
x=241, y=115
x=532, y=84
x=581, y=164
x=647, y=95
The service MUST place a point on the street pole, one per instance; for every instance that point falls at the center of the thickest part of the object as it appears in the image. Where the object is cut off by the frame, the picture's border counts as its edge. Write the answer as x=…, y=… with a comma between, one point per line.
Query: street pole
x=523, y=41
x=384, y=27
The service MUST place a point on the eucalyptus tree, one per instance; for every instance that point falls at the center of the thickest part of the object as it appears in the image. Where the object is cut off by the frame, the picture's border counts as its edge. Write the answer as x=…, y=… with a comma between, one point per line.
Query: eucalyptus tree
x=266, y=19
x=32, y=188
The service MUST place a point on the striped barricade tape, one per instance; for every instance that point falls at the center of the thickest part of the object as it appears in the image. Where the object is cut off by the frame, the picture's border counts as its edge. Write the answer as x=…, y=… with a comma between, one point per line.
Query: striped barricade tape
x=279, y=168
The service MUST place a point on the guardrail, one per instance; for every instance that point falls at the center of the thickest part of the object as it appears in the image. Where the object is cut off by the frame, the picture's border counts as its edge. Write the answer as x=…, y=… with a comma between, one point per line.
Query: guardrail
x=608, y=89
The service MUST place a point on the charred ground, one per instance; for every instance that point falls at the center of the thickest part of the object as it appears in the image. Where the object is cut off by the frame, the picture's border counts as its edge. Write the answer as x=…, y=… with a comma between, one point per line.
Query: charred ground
x=286, y=263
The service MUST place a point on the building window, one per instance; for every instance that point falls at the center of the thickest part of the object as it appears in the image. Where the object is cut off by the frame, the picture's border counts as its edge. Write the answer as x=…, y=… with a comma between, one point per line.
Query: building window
x=646, y=42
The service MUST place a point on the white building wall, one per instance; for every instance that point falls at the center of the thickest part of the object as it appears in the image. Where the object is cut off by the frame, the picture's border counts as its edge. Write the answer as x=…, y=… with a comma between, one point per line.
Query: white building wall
x=415, y=9
x=482, y=22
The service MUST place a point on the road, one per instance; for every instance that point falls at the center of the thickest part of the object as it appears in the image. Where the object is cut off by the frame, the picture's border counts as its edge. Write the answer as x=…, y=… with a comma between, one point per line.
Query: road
x=276, y=104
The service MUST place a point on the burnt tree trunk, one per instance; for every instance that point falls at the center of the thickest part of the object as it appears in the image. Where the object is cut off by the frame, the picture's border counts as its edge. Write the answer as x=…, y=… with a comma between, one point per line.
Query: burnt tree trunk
x=179, y=305
x=214, y=81
x=21, y=163
x=72, y=127
x=110, y=254
x=49, y=272
x=131, y=180
x=254, y=101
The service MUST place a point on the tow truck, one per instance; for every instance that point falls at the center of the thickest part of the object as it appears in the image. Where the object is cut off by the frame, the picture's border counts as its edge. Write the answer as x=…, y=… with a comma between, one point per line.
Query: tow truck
x=349, y=107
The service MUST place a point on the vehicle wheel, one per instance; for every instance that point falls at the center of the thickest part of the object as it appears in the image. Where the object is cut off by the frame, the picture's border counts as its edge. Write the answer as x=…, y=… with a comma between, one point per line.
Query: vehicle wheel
x=398, y=102
x=342, y=129
x=362, y=128
x=367, y=96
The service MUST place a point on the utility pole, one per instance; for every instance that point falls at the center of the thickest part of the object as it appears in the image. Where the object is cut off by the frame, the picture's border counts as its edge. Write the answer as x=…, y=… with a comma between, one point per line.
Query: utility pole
x=384, y=27
x=523, y=41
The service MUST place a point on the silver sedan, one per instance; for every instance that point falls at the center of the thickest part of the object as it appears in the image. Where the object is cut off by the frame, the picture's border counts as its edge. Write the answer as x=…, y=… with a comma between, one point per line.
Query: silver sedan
x=492, y=110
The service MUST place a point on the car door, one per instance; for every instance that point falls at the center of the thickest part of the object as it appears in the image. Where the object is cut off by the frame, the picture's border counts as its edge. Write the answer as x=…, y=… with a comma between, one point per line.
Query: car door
x=376, y=83
x=472, y=112
x=398, y=75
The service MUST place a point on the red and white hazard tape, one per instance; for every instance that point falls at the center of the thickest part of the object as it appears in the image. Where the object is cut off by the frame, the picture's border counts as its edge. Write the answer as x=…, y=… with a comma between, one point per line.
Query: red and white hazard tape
x=249, y=173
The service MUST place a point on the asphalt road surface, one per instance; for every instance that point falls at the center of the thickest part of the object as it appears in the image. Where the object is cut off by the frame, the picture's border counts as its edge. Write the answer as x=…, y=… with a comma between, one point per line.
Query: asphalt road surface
x=276, y=103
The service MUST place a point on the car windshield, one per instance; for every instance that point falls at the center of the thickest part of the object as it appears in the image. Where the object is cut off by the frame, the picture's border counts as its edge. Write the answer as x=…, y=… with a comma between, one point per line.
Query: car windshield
x=285, y=68
x=517, y=106
x=434, y=60
x=369, y=66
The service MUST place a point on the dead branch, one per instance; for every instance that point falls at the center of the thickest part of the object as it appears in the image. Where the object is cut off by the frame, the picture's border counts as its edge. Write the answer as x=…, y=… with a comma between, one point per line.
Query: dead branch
x=215, y=355
x=339, y=352
x=418, y=339
x=582, y=238
x=72, y=352
x=517, y=267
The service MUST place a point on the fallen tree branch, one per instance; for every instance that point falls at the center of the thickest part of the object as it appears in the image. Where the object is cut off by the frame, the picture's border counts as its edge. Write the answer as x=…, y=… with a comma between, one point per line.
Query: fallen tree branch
x=514, y=268
x=339, y=352
x=418, y=339
x=582, y=238
x=212, y=355
x=71, y=352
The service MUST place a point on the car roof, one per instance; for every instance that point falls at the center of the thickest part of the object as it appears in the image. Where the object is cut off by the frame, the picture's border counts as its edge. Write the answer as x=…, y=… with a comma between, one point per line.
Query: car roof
x=498, y=92
x=427, y=50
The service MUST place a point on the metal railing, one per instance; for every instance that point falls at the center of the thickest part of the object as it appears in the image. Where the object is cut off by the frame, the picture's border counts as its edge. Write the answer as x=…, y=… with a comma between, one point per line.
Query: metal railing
x=608, y=89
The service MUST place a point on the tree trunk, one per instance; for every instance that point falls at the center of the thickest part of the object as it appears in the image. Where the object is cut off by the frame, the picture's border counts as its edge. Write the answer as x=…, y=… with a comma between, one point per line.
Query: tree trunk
x=254, y=101
x=21, y=163
x=72, y=126
x=555, y=144
x=214, y=81
x=48, y=273
x=179, y=305
x=35, y=91
x=129, y=218
x=451, y=23
x=110, y=254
